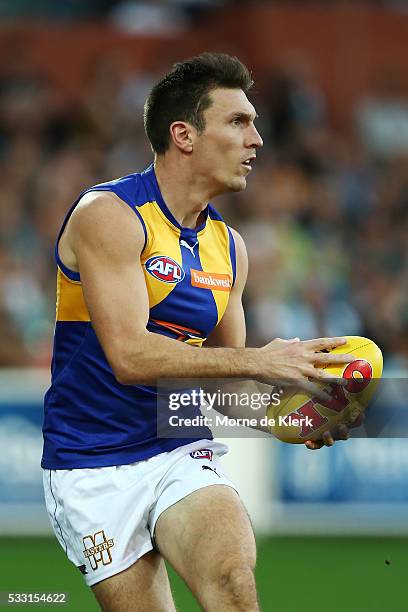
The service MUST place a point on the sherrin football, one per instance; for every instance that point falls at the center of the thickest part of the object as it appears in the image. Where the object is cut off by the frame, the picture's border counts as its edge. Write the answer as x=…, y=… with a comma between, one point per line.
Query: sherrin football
x=300, y=417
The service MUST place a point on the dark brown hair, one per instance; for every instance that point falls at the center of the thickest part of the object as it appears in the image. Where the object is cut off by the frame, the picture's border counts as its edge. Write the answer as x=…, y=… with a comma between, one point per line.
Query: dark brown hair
x=183, y=94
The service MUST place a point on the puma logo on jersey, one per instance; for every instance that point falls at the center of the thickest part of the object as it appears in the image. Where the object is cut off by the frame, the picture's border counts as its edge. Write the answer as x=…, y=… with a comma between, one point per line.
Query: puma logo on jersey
x=189, y=247
x=165, y=269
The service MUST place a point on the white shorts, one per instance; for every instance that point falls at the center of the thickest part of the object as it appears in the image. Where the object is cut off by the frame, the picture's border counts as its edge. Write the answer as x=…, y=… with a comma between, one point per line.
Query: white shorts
x=104, y=518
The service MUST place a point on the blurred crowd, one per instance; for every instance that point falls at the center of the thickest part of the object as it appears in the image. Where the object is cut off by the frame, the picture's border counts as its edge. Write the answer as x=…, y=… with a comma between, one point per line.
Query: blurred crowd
x=325, y=214
x=159, y=15
x=155, y=16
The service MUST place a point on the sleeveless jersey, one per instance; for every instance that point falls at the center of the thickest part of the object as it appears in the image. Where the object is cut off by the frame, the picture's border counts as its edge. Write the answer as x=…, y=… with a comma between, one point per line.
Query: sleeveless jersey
x=91, y=420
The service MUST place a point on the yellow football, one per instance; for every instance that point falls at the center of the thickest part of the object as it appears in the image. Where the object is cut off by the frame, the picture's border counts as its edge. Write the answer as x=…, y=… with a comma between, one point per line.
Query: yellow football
x=300, y=417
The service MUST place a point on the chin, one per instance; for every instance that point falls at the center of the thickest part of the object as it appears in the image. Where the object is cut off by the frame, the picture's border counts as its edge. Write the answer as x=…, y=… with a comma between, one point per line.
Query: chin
x=238, y=184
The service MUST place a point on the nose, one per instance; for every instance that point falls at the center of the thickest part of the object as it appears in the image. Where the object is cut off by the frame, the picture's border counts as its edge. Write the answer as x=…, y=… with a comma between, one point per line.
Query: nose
x=259, y=141
x=255, y=139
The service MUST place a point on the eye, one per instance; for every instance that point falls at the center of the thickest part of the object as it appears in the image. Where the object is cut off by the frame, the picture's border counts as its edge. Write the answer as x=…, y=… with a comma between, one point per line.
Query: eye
x=236, y=121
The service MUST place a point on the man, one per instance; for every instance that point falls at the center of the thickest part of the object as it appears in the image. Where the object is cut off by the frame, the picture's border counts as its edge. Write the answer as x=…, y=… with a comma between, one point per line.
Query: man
x=147, y=271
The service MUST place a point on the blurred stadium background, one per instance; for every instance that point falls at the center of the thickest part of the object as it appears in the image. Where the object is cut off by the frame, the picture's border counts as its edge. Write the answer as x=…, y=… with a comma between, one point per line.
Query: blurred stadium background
x=325, y=218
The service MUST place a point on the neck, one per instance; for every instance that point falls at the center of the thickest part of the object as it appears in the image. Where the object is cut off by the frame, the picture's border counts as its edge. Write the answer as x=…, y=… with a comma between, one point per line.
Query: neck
x=185, y=195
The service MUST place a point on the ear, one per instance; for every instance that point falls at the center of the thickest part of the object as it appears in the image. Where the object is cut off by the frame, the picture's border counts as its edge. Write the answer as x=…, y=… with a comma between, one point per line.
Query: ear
x=181, y=134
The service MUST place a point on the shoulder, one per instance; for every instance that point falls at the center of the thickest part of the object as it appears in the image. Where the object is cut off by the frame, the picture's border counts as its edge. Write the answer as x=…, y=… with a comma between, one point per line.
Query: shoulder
x=102, y=216
x=135, y=189
x=239, y=242
x=102, y=206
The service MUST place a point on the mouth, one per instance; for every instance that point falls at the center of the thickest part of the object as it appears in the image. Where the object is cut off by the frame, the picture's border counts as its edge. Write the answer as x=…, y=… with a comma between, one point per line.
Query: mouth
x=247, y=163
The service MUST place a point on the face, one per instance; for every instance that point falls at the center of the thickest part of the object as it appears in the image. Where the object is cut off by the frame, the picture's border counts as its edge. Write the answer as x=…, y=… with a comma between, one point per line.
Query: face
x=223, y=154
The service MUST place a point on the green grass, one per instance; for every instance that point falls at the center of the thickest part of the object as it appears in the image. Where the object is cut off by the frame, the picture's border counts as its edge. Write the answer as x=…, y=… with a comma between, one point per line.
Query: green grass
x=293, y=575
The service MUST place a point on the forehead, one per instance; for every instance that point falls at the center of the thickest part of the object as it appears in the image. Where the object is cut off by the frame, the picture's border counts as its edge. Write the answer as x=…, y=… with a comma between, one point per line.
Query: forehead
x=228, y=102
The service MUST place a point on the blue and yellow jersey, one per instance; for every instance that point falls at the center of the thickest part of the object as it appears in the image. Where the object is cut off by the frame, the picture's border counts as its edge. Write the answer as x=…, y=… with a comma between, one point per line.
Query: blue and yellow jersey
x=91, y=420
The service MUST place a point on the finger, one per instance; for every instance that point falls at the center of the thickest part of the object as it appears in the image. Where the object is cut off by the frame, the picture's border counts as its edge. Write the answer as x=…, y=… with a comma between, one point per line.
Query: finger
x=285, y=393
x=313, y=444
x=329, y=358
x=312, y=389
x=328, y=379
x=325, y=377
x=327, y=438
x=319, y=344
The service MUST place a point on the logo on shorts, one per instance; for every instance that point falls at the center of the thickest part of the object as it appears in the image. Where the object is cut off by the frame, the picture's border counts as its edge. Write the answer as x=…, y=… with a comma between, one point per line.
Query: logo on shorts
x=165, y=269
x=97, y=549
x=203, y=453
x=207, y=467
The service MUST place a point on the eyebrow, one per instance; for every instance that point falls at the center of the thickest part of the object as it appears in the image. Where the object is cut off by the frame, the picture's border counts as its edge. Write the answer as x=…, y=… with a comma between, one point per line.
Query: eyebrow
x=243, y=115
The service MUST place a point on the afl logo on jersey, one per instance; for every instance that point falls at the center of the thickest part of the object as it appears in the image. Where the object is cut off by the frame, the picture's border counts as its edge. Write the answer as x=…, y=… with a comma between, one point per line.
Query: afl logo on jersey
x=165, y=269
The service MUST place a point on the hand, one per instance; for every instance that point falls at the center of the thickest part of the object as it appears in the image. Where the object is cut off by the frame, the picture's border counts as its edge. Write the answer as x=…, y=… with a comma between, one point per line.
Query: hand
x=299, y=363
x=342, y=433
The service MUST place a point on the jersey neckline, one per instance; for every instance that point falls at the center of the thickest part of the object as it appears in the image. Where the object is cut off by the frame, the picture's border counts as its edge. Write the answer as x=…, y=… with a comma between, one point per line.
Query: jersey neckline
x=151, y=174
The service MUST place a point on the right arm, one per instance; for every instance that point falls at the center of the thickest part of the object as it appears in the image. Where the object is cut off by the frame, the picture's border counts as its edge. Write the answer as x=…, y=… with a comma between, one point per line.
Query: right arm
x=103, y=240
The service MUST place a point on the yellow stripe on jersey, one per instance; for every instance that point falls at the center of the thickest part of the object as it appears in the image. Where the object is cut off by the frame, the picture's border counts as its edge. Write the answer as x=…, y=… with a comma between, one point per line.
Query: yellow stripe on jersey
x=70, y=300
x=214, y=240
x=158, y=243
x=195, y=341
